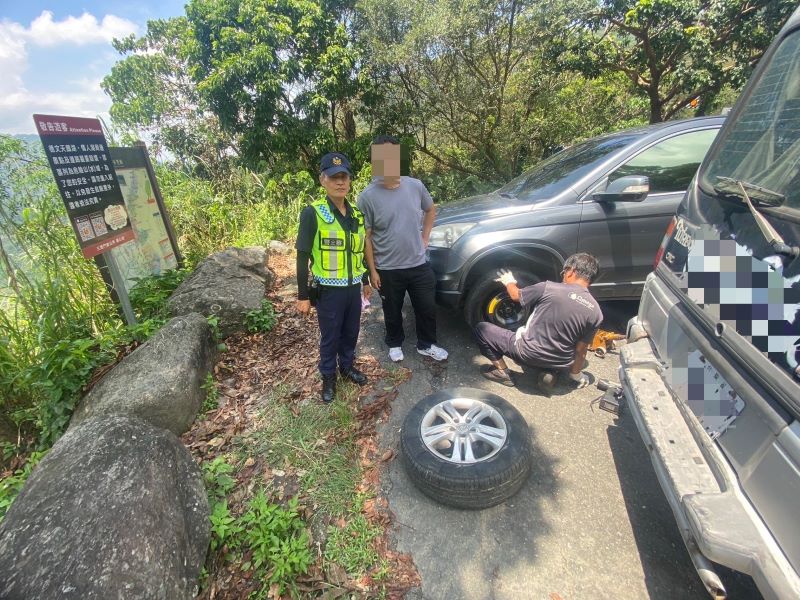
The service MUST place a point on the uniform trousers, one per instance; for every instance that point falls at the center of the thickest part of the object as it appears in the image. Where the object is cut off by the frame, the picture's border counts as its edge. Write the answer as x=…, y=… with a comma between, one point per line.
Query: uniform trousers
x=339, y=314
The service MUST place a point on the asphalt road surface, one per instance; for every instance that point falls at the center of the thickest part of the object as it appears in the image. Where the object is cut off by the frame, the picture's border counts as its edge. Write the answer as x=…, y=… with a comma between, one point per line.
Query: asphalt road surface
x=591, y=522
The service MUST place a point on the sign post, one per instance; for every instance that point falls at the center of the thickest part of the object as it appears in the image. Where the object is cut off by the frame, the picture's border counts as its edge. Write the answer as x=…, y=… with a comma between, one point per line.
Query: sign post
x=118, y=282
x=79, y=158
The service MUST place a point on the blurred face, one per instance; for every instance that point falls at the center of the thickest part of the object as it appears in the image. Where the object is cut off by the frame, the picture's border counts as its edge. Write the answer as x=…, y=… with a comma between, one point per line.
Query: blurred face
x=337, y=186
x=386, y=163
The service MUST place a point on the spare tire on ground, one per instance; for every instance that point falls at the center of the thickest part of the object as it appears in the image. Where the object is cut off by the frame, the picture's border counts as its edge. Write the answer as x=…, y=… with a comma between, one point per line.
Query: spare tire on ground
x=466, y=448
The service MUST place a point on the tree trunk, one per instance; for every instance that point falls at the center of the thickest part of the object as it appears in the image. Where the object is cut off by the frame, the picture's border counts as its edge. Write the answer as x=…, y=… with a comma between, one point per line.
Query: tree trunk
x=333, y=121
x=349, y=126
x=656, y=106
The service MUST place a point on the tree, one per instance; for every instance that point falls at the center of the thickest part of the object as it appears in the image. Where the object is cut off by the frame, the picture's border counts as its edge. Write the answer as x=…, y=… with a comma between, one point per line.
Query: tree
x=272, y=73
x=677, y=53
x=153, y=93
x=268, y=84
x=472, y=80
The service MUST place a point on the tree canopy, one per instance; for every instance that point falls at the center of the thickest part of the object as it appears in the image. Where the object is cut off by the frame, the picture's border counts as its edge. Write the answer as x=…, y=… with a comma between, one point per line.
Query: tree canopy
x=677, y=53
x=480, y=88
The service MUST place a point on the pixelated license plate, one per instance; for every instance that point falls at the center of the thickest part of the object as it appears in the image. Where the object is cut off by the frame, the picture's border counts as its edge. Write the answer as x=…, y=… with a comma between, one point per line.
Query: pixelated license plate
x=712, y=399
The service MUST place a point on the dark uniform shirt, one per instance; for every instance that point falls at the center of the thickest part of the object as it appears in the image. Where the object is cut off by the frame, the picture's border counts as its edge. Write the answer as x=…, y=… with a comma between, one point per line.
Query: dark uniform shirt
x=307, y=233
x=563, y=315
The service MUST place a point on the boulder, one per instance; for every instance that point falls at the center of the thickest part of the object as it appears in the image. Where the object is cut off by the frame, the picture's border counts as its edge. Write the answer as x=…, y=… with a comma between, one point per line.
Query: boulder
x=228, y=285
x=117, y=509
x=160, y=381
x=276, y=247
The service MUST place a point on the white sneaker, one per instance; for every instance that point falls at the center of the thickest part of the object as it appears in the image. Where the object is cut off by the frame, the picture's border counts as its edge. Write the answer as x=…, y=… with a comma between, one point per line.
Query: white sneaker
x=434, y=352
x=396, y=354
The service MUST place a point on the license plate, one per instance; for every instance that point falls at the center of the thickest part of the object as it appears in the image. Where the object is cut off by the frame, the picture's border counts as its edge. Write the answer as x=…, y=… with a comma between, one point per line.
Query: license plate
x=712, y=399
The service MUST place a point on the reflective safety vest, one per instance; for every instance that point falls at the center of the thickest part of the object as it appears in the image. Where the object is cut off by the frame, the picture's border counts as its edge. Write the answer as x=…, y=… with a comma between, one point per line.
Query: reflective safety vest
x=337, y=255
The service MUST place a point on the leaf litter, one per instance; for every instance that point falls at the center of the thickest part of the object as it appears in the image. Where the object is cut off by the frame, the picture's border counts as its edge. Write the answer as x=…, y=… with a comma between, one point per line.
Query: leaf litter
x=245, y=374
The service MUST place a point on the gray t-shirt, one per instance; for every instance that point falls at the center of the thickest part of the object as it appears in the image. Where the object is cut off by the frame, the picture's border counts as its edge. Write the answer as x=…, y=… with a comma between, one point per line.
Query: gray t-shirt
x=395, y=218
x=563, y=315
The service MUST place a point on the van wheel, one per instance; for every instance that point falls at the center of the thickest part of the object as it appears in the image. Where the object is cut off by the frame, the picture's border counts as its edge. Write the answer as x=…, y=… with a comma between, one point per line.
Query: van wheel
x=466, y=448
x=489, y=301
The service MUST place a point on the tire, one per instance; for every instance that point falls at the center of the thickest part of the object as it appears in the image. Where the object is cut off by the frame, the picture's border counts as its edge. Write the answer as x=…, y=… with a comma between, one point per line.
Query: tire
x=488, y=301
x=498, y=470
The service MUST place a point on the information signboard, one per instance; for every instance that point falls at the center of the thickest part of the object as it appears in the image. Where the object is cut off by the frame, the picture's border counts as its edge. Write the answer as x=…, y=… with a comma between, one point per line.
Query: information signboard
x=154, y=250
x=78, y=155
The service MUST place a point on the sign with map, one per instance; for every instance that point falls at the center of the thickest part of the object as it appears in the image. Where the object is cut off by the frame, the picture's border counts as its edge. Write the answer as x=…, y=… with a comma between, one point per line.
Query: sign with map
x=153, y=251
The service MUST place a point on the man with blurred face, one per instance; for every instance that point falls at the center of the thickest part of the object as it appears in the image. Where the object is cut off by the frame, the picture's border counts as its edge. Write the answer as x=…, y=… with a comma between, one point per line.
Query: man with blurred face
x=398, y=217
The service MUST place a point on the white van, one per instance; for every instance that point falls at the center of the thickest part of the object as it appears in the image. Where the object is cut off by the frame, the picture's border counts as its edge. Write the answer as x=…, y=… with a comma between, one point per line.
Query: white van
x=711, y=372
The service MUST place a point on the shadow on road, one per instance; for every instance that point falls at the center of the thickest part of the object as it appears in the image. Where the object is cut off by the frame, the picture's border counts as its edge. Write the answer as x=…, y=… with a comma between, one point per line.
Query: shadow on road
x=654, y=525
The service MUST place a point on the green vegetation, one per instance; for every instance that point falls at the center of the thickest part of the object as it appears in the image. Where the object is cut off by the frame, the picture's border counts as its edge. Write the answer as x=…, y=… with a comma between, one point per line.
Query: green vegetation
x=479, y=90
x=57, y=322
x=277, y=538
x=675, y=52
x=211, y=401
x=274, y=537
x=262, y=319
x=12, y=485
x=317, y=445
x=352, y=546
x=328, y=471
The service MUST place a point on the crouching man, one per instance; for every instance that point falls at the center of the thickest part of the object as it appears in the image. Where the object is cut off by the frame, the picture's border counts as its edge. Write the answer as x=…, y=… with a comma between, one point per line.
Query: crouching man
x=556, y=336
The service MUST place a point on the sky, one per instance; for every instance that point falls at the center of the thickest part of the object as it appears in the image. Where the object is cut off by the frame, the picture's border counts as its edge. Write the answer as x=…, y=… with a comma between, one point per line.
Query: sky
x=55, y=53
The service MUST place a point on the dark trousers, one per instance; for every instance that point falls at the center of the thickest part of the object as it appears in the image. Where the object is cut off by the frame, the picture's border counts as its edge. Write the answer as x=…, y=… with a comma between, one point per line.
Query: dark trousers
x=495, y=342
x=339, y=314
x=420, y=283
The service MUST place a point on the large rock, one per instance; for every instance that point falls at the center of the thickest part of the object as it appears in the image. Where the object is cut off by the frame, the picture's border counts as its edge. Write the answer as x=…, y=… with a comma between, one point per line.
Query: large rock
x=228, y=285
x=276, y=247
x=160, y=381
x=116, y=510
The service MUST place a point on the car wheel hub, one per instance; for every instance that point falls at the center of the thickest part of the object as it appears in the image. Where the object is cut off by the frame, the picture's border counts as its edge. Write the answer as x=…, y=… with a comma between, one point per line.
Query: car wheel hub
x=463, y=430
x=503, y=311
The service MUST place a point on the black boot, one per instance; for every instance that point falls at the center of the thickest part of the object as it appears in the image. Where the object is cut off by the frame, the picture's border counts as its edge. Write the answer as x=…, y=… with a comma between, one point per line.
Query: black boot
x=354, y=375
x=328, y=388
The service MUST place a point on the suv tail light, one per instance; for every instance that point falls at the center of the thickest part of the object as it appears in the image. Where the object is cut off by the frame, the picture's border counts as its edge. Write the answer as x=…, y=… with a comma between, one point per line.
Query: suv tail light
x=664, y=242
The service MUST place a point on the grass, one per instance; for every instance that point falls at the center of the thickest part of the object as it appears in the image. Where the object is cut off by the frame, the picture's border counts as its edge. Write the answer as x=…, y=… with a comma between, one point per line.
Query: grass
x=318, y=443
x=396, y=375
x=328, y=471
x=211, y=401
x=352, y=546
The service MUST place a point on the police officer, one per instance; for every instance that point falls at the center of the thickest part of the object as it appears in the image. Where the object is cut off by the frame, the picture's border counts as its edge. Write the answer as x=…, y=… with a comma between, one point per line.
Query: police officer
x=331, y=238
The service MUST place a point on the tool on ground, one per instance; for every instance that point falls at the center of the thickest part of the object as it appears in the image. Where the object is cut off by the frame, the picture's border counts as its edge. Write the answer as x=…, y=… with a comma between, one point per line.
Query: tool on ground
x=611, y=401
x=604, y=341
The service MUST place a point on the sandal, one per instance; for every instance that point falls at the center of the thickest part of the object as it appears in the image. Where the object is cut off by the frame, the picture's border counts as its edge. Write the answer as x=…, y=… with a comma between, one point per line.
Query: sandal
x=501, y=376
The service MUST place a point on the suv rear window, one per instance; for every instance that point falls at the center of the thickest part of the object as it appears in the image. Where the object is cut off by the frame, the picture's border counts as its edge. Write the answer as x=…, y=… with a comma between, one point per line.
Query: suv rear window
x=670, y=164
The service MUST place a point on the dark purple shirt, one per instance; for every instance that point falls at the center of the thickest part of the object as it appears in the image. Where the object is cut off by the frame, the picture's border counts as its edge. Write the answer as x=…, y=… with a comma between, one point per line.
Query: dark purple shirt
x=563, y=315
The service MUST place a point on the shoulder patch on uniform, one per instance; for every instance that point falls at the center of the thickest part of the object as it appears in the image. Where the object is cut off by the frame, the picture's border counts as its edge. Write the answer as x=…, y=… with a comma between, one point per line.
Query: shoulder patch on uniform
x=324, y=212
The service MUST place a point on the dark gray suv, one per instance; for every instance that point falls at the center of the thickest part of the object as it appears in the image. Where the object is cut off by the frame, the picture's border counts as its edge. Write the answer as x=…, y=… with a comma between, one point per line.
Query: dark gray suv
x=612, y=196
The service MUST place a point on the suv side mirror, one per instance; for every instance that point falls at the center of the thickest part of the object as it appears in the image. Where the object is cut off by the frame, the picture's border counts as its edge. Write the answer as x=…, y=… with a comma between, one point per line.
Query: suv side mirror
x=625, y=189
